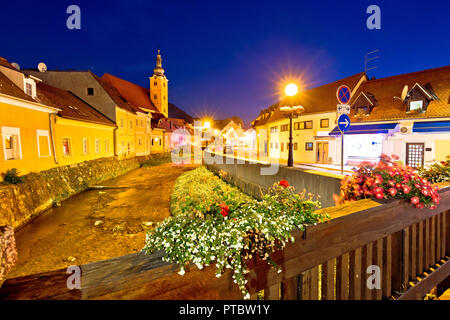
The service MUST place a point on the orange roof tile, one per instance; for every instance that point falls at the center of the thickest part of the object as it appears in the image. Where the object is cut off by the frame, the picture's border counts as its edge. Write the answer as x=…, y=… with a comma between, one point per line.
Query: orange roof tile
x=70, y=105
x=389, y=108
x=135, y=96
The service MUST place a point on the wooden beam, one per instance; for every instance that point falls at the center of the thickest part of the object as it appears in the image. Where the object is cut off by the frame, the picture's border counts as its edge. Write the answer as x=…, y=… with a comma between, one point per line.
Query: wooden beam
x=420, y=289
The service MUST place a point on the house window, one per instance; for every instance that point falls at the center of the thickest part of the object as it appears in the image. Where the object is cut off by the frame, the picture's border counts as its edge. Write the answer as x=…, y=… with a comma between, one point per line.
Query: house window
x=276, y=145
x=155, y=96
x=160, y=141
x=164, y=97
x=131, y=124
x=362, y=111
x=85, y=145
x=106, y=145
x=43, y=141
x=282, y=147
x=121, y=122
x=67, y=148
x=285, y=127
x=324, y=123
x=142, y=123
x=274, y=129
x=309, y=146
x=308, y=124
x=97, y=145
x=140, y=141
x=90, y=91
x=271, y=145
x=155, y=83
x=152, y=141
x=295, y=145
x=11, y=143
x=297, y=126
x=29, y=89
x=416, y=105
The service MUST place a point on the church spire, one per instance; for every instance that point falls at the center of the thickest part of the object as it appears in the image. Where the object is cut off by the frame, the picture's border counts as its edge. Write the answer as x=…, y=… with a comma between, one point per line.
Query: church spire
x=158, y=71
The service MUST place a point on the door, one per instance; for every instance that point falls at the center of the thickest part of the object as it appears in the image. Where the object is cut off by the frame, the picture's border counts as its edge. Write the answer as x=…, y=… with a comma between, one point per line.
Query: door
x=415, y=154
x=322, y=152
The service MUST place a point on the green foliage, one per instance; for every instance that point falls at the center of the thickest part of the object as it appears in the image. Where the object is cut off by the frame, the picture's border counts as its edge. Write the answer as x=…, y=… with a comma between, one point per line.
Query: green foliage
x=157, y=160
x=199, y=192
x=218, y=224
x=436, y=172
x=12, y=177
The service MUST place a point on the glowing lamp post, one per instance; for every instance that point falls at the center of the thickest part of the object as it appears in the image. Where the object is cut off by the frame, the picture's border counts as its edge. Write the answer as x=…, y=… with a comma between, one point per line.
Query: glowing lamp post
x=291, y=109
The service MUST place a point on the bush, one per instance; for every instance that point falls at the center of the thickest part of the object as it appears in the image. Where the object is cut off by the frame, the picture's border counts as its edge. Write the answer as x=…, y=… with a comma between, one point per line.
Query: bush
x=12, y=177
x=389, y=179
x=199, y=192
x=436, y=172
x=221, y=227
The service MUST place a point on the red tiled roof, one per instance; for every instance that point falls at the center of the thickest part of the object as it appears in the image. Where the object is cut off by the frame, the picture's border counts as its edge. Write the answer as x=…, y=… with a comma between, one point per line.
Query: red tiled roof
x=5, y=63
x=71, y=106
x=389, y=108
x=8, y=87
x=135, y=96
x=315, y=100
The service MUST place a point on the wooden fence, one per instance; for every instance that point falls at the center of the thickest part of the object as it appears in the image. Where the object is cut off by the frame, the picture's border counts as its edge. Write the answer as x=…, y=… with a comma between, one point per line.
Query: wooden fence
x=410, y=246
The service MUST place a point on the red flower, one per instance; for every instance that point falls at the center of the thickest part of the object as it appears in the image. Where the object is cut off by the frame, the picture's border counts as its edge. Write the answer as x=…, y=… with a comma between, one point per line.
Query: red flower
x=224, y=211
x=392, y=191
x=379, y=195
x=415, y=200
x=406, y=189
x=420, y=205
x=395, y=157
x=284, y=183
x=433, y=207
x=378, y=190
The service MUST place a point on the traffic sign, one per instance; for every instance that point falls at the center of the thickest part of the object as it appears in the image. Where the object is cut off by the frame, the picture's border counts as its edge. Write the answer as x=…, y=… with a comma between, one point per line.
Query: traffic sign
x=343, y=94
x=343, y=123
x=343, y=108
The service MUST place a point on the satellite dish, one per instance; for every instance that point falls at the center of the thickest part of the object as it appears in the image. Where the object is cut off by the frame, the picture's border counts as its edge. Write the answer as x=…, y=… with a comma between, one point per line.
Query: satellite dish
x=42, y=67
x=16, y=66
x=404, y=92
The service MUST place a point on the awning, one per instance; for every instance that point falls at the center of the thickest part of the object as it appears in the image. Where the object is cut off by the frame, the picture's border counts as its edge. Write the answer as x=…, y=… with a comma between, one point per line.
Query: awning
x=366, y=129
x=431, y=126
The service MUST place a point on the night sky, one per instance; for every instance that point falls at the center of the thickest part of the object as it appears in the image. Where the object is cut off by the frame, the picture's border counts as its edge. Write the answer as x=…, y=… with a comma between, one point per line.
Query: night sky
x=226, y=58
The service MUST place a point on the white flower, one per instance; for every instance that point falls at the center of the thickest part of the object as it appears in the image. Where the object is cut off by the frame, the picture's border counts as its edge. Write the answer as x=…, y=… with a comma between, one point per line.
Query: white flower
x=182, y=272
x=247, y=296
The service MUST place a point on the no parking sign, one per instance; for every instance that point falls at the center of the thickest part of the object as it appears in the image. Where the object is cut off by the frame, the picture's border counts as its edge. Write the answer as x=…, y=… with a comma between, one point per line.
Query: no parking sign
x=343, y=94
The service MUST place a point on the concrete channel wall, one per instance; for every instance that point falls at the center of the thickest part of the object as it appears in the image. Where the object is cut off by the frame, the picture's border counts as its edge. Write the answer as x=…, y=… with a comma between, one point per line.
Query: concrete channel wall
x=247, y=176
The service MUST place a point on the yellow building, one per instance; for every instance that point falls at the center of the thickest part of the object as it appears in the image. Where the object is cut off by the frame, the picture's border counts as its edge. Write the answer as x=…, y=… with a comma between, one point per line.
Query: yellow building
x=81, y=133
x=43, y=127
x=25, y=130
x=311, y=140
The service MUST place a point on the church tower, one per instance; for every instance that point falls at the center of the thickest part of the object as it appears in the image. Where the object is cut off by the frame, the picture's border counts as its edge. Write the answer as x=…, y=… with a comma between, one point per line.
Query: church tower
x=159, y=87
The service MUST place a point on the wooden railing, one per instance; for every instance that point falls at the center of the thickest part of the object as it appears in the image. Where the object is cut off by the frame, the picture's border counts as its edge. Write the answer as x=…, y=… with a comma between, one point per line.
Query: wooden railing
x=327, y=261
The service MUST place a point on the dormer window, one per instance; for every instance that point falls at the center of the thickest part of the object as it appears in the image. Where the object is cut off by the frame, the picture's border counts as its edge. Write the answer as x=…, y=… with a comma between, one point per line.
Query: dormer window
x=29, y=87
x=419, y=97
x=364, y=104
x=90, y=91
x=362, y=111
x=416, y=105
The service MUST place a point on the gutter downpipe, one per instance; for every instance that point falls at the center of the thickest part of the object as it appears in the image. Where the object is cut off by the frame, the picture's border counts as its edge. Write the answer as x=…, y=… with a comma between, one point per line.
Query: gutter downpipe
x=52, y=138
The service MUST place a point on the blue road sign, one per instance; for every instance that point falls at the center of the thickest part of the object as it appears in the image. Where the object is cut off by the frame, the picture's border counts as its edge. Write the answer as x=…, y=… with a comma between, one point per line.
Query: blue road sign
x=343, y=123
x=343, y=94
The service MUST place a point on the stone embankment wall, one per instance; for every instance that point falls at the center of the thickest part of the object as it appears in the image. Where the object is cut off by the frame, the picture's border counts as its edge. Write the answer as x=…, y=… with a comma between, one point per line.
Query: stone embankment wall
x=21, y=202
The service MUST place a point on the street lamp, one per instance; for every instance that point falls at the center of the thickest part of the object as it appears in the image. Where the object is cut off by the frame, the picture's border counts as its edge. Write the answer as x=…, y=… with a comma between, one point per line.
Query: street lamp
x=291, y=108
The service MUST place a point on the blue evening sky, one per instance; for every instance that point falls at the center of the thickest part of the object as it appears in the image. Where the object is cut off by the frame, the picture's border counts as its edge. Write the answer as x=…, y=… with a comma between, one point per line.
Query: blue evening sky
x=227, y=58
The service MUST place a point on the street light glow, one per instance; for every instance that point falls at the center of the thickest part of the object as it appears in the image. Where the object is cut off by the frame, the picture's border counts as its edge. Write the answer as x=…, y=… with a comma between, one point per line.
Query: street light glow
x=207, y=125
x=291, y=89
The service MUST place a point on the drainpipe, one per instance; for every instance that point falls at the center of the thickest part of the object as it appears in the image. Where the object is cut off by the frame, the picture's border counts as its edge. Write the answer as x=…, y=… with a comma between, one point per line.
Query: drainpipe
x=52, y=139
x=116, y=153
